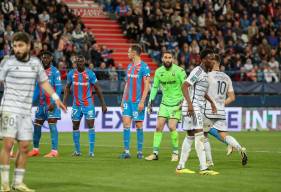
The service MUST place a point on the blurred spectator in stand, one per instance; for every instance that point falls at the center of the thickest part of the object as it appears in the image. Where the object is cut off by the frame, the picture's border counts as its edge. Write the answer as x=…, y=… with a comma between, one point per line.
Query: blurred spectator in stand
x=274, y=65
x=247, y=69
x=270, y=75
x=78, y=37
x=106, y=55
x=120, y=72
x=101, y=72
x=63, y=70
x=121, y=11
x=96, y=57
x=7, y=8
x=184, y=56
x=113, y=75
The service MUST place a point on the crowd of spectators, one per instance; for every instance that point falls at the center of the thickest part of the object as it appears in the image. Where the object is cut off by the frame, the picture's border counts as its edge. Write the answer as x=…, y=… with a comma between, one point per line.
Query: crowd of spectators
x=53, y=27
x=246, y=32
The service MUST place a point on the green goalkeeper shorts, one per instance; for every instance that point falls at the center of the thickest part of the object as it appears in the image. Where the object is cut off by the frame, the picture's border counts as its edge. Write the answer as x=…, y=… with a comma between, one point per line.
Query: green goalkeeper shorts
x=170, y=112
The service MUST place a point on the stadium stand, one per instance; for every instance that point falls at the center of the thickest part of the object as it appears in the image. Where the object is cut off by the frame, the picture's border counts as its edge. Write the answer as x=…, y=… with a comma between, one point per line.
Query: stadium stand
x=250, y=49
x=247, y=33
x=53, y=27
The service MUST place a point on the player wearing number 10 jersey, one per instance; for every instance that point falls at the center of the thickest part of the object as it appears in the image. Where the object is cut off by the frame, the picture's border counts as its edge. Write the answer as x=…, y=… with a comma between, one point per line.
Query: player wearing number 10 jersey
x=222, y=93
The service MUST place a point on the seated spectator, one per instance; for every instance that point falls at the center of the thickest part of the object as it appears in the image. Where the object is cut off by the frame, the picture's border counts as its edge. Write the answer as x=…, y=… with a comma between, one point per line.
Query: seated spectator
x=272, y=39
x=78, y=37
x=7, y=8
x=121, y=11
x=121, y=74
x=113, y=76
x=247, y=69
x=274, y=65
x=270, y=75
x=184, y=56
x=63, y=70
x=95, y=52
x=131, y=31
x=106, y=55
x=101, y=72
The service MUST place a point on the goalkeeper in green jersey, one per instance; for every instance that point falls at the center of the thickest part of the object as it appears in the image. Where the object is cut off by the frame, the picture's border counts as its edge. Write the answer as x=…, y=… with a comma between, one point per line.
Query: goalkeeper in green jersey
x=170, y=78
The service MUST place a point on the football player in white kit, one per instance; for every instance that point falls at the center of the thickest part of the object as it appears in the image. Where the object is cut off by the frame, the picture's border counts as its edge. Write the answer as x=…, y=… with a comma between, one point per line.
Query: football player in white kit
x=195, y=90
x=19, y=74
x=222, y=93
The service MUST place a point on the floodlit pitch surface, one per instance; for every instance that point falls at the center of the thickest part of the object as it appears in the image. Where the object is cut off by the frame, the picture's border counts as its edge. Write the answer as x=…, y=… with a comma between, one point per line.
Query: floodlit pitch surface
x=105, y=172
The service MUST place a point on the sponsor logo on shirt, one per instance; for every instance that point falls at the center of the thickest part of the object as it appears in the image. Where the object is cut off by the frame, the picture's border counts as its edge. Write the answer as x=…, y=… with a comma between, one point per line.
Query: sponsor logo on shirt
x=168, y=82
x=80, y=83
x=133, y=76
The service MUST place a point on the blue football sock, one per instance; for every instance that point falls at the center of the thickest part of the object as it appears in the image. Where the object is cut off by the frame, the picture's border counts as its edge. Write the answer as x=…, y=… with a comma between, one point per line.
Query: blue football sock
x=140, y=139
x=76, y=140
x=36, y=135
x=126, y=138
x=54, y=135
x=214, y=132
x=92, y=138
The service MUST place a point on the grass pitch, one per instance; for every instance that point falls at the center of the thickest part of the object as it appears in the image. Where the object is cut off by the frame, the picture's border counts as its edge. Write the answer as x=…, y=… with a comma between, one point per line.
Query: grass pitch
x=105, y=172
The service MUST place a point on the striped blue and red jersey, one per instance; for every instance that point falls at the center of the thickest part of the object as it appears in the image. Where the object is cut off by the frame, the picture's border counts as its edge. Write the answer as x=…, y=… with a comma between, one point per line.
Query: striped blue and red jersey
x=82, y=86
x=135, y=81
x=55, y=81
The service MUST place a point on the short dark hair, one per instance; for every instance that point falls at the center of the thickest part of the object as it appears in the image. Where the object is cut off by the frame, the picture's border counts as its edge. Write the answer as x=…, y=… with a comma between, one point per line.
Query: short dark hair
x=21, y=36
x=46, y=53
x=136, y=48
x=204, y=53
x=167, y=52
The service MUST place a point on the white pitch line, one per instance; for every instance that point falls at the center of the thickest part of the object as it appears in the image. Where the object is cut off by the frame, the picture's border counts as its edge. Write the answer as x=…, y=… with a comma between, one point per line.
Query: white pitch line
x=213, y=149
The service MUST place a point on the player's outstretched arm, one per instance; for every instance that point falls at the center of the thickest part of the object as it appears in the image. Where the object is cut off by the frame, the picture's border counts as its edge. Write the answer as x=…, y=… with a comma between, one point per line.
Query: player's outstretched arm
x=50, y=91
x=214, y=108
x=230, y=98
x=100, y=95
x=144, y=93
x=185, y=92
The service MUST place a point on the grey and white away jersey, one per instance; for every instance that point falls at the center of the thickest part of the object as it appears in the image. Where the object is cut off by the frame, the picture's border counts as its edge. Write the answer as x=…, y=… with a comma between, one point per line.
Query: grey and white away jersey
x=219, y=85
x=198, y=79
x=19, y=81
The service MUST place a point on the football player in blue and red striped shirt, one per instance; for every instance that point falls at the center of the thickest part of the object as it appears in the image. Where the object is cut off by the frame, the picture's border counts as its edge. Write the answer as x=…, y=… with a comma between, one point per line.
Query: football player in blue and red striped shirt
x=80, y=82
x=135, y=93
x=47, y=110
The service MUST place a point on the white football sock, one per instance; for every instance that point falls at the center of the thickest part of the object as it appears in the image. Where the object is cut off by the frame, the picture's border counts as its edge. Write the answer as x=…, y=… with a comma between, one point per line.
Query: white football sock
x=200, y=150
x=185, y=151
x=208, y=150
x=5, y=169
x=18, y=176
x=233, y=142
